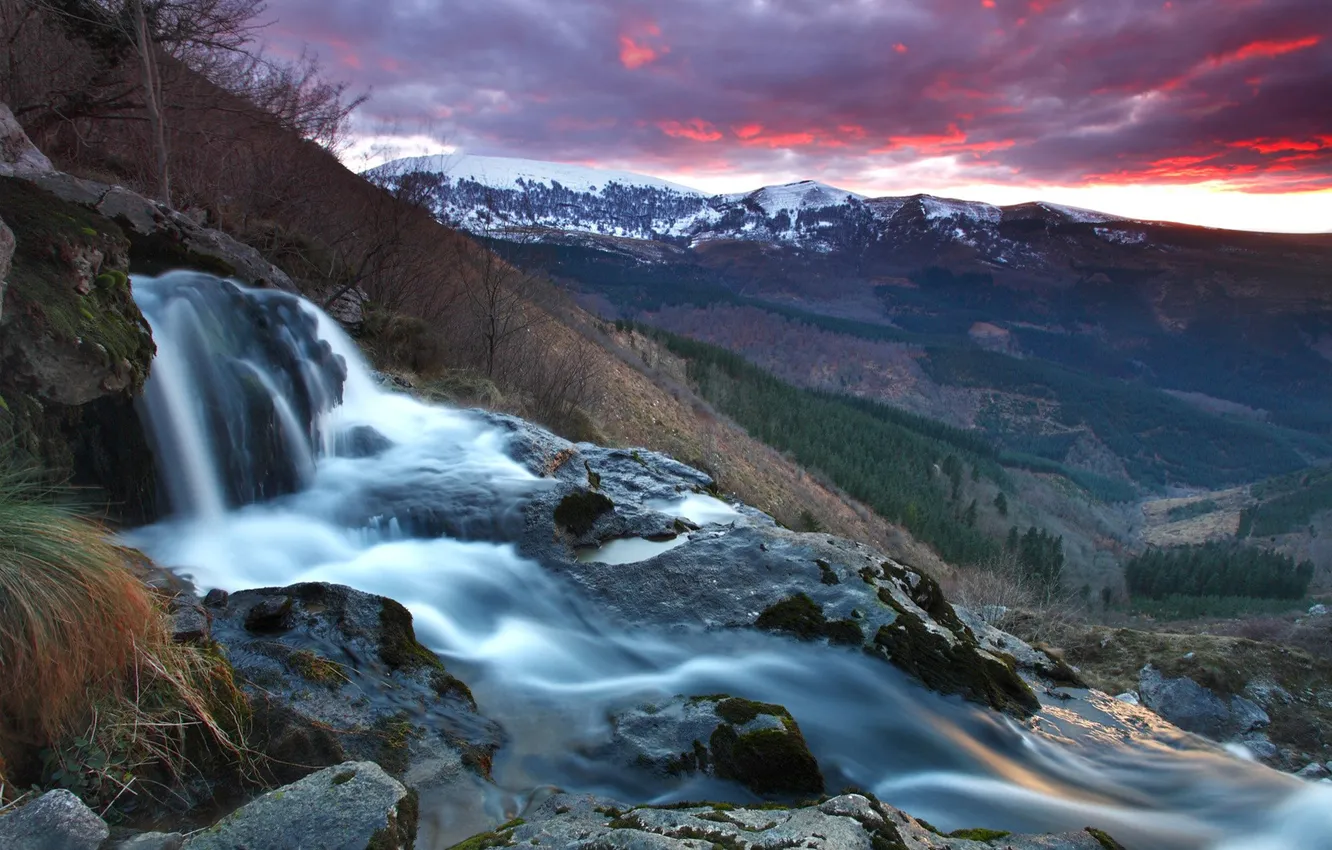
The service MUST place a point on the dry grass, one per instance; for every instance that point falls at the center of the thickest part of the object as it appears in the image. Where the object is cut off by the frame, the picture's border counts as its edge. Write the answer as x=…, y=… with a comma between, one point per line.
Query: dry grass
x=71, y=614
x=95, y=696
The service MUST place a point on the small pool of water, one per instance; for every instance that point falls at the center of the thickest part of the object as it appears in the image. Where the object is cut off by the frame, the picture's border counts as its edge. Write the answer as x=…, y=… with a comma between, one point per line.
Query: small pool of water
x=698, y=508
x=628, y=550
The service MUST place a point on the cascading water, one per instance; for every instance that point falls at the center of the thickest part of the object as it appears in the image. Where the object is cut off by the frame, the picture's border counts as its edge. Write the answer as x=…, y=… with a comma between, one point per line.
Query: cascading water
x=284, y=462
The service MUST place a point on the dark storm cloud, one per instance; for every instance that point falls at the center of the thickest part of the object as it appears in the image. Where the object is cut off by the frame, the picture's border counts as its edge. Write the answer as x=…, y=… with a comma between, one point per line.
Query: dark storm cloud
x=1066, y=91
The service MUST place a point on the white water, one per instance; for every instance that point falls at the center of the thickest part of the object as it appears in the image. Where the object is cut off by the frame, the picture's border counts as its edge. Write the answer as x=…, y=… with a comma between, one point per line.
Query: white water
x=548, y=666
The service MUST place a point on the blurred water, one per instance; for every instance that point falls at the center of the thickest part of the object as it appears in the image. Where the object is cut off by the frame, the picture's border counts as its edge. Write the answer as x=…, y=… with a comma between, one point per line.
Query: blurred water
x=542, y=660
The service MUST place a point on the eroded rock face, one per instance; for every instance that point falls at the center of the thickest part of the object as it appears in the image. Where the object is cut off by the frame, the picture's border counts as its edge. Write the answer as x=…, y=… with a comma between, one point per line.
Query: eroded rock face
x=740, y=570
x=848, y=822
x=336, y=674
x=74, y=349
x=352, y=806
x=6, y=255
x=755, y=744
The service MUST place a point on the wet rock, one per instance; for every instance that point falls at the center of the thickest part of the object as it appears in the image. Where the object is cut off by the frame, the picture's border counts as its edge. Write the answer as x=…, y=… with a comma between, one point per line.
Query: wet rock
x=746, y=572
x=1194, y=708
x=1313, y=770
x=19, y=157
x=353, y=806
x=360, y=442
x=755, y=744
x=846, y=822
x=57, y=820
x=150, y=841
x=345, y=679
x=215, y=598
x=1262, y=748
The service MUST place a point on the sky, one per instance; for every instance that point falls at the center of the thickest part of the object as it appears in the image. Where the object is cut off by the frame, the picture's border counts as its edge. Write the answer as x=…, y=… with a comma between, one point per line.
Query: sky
x=1214, y=112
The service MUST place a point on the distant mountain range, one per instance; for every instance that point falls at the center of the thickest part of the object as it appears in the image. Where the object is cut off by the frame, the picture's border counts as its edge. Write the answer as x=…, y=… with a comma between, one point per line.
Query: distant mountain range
x=1156, y=353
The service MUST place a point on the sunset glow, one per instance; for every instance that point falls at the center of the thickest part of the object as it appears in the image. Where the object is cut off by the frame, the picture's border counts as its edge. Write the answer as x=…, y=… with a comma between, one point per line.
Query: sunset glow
x=1205, y=111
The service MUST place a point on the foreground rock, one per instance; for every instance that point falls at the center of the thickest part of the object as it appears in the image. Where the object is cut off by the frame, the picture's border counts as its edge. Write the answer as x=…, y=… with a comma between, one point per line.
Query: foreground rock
x=335, y=674
x=57, y=820
x=755, y=744
x=353, y=806
x=848, y=822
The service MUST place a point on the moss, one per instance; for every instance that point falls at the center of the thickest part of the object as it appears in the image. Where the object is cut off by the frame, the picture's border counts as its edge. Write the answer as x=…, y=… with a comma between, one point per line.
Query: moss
x=343, y=777
x=316, y=668
x=451, y=687
x=1104, y=839
x=578, y=511
x=395, y=734
x=796, y=615
x=979, y=834
x=739, y=711
x=501, y=837
x=398, y=647
x=768, y=761
x=1057, y=670
x=956, y=667
x=802, y=618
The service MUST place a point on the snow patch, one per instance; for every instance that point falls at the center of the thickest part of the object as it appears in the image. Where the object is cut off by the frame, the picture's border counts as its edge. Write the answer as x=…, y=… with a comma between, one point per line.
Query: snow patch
x=502, y=172
x=937, y=208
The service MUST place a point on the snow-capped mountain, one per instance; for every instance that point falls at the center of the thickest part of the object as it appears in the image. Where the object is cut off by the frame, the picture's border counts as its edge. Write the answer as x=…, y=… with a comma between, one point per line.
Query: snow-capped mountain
x=499, y=195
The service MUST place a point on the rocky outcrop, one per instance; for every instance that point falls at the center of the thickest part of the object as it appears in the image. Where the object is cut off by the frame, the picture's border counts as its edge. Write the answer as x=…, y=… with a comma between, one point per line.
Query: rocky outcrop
x=334, y=674
x=1194, y=708
x=848, y=822
x=741, y=570
x=74, y=349
x=755, y=744
x=353, y=806
x=57, y=820
x=6, y=256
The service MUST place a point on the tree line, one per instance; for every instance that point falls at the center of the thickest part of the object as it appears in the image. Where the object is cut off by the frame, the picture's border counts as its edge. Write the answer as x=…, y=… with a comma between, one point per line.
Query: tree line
x=1217, y=569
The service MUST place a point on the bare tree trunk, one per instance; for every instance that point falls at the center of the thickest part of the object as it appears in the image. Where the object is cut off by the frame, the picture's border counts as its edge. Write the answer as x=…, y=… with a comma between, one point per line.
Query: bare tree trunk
x=152, y=99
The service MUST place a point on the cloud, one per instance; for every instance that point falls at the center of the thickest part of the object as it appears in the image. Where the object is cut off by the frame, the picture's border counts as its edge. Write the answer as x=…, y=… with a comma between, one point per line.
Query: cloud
x=1014, y=92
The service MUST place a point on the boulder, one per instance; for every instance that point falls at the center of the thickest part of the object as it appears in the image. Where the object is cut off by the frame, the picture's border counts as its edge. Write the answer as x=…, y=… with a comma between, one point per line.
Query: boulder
x=1194, y=708
x=1313, y=770
x=57, y=820
x=755, y=744
x=352, y=806
x=150, y=841
x=335, y=674
x=846, y=822
x=19, y=157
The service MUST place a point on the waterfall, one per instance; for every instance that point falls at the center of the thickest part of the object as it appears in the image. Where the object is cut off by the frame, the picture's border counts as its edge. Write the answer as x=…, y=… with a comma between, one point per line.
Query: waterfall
x=284, y=462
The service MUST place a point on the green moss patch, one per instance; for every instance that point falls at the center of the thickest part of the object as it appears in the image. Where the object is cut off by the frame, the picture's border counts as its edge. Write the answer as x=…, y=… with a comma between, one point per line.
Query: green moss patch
x=1104, y=839
x=979, y=834
x=800, y=617
x=579, y=511
x=314, y=667
x=398, y=647
x=956, y=667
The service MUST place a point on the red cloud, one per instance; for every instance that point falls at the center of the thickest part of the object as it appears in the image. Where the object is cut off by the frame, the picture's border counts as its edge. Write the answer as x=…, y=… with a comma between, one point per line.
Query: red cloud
x=1279, y=145
x=900, y=47
x=1269, y=49
x=748, y=131
x=695, y=128
x=954, y=141
x=779, y=140
x=635, y=51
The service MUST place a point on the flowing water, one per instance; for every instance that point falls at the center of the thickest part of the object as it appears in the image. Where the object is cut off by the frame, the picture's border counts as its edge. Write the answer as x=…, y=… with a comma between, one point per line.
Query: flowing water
x=259, y=408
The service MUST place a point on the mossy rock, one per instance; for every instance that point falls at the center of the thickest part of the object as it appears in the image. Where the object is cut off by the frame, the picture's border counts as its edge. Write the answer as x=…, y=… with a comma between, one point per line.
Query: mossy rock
x=768, y=760
x=579, y=511
x=398, y=647
x=800, y=617
x=68, y=303
x=1104, y=839
x=953, y=667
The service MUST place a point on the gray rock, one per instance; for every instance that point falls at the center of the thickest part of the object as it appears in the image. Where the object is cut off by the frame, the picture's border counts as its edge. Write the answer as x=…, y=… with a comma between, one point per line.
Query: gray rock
x=1262, y=748
x=19, y=157
x=1319, y=610
x=1313, y=770
x=6, y=254
x=730, y=573
x=151, y=841
x=353, y=806
x=335, y=674
x=1130, y=697
x=57, y=820
x=848, y=822
x=1194, y=708
x=728, y=738
x=189, y=624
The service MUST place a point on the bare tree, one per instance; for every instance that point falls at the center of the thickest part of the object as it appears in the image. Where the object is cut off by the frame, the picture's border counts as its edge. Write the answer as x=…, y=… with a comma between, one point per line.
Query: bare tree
x=500, y=296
